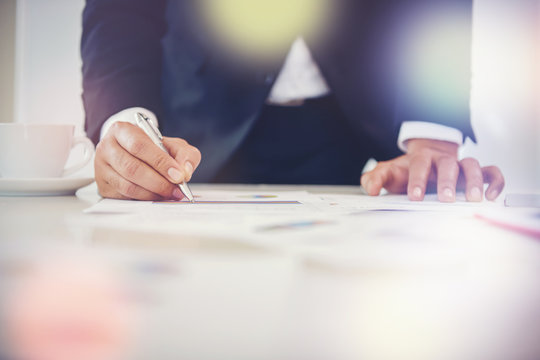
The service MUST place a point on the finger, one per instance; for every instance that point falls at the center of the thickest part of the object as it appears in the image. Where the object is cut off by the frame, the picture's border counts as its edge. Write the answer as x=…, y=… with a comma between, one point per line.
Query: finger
x=106, y=190
x=494, y=177
x=387, y=175
x=101, y=173
x=109, y=193
x=139, y=173
x=139, y=145
x=189, y=157
x=113, y=185
x=419, y=171
x=474, y=179
x=447, y=176
x=374, y=180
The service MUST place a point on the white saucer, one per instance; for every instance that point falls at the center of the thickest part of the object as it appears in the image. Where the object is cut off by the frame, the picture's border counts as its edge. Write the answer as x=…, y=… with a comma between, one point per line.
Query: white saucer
x=42, y=186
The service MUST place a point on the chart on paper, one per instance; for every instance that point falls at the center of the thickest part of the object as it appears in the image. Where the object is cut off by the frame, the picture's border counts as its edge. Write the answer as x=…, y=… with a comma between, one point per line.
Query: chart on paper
x=224, y=202
x=234, y=198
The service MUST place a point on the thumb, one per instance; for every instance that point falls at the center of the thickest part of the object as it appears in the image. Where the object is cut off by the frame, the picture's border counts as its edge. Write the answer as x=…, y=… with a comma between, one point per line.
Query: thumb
x=187, y=156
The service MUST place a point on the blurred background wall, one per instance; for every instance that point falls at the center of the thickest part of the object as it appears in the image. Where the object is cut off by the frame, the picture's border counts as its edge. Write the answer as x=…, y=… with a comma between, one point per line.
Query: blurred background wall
x=7, y=58
x=506, y=89
x=48, y=65
x=506, y=83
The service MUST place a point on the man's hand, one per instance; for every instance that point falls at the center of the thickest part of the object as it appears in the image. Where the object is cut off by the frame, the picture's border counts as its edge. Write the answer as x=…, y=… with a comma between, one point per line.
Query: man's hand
x=432, y=162
x=129, y=165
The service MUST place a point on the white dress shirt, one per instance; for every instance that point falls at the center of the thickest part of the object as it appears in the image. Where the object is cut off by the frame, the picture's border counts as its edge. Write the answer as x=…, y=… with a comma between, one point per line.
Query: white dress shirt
x=301, y=79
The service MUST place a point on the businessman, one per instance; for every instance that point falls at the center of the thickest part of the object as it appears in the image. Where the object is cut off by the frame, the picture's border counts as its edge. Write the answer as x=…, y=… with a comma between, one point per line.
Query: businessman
x=266, y=101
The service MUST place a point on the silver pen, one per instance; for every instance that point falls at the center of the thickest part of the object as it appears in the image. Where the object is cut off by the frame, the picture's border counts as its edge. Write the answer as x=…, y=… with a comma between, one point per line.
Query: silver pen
x=155, y=135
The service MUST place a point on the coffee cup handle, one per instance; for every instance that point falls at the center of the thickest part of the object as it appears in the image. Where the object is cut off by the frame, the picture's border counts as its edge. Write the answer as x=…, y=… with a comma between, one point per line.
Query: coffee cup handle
x=88, y=153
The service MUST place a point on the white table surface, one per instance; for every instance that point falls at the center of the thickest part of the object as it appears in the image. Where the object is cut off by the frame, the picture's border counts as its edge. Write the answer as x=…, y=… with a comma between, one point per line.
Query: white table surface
x=220, y=299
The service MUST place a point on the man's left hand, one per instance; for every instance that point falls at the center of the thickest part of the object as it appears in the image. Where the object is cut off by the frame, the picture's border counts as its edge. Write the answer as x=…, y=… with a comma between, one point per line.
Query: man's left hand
x=434, y=163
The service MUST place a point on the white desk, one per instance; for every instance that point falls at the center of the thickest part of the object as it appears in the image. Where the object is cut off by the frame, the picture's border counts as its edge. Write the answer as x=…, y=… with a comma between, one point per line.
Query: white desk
x=208, y=298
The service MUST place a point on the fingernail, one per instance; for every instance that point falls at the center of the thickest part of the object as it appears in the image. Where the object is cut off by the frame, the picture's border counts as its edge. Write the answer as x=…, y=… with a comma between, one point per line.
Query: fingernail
x=475, y=194
x=492, y=195
x=448, y=194
x=177, y=194
x=417, y=192
x=189, y=170
x=176, y=175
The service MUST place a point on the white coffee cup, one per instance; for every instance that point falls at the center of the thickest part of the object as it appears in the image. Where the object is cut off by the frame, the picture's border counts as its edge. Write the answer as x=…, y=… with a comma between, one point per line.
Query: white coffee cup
x=32, y=150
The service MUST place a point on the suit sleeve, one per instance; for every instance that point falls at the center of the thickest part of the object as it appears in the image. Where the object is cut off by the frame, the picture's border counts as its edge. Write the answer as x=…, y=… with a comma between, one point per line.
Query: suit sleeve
x=122, y=54
x=434, y=64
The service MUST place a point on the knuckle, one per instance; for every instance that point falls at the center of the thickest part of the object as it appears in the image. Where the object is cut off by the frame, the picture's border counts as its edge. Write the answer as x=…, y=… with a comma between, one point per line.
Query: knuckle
x=105, y=187
x=495, y=171
x=425, y=153
x=498, y=176
x=106, y=150
x=447, y=161
x=100, y=146
x=418, y=179
x=382, y=167
x=103, y=146
x=371, y=176
x=197, y=154
x=161, y=162
x=475, y=176
x=367, y=177
x=494, y=174
x=448, y=166
x=473, y=172
x=182, y=142
x=128, y=189
x=178, y=142
x=475, y=180
x=447, y=177
x=420, y=174
x=117, y=127
x=451, y=159
x=454, y=168
x=376, y=183
x=393, y=168
x=131, y=168
x=135, y=146
x=470, y=163
x=363, y=179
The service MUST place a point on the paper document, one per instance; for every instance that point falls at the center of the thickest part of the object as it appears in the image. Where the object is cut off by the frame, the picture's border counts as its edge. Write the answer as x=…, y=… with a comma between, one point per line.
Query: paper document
x=354, y=229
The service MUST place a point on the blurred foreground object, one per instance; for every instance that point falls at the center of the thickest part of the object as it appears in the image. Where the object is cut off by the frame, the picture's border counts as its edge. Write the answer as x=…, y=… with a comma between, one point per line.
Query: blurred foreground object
x=65, y=310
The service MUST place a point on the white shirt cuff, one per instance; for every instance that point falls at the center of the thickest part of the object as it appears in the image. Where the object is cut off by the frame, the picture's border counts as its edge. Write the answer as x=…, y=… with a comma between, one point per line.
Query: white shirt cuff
x=127, y=115
x=425, y=130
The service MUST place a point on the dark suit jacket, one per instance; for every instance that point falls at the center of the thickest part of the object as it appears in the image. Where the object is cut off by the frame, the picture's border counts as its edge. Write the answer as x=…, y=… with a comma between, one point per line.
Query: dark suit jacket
x=148, y=53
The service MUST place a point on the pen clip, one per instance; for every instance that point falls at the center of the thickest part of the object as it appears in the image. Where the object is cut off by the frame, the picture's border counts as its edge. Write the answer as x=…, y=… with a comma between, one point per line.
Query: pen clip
x=155, y=129
x=150, y=123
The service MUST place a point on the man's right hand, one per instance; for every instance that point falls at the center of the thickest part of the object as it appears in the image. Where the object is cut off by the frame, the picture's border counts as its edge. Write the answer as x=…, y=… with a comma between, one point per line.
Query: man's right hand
x=129, y=165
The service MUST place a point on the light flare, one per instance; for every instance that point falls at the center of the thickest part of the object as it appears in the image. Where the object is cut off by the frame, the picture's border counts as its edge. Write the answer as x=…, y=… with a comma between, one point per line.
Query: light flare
x=263, y=28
